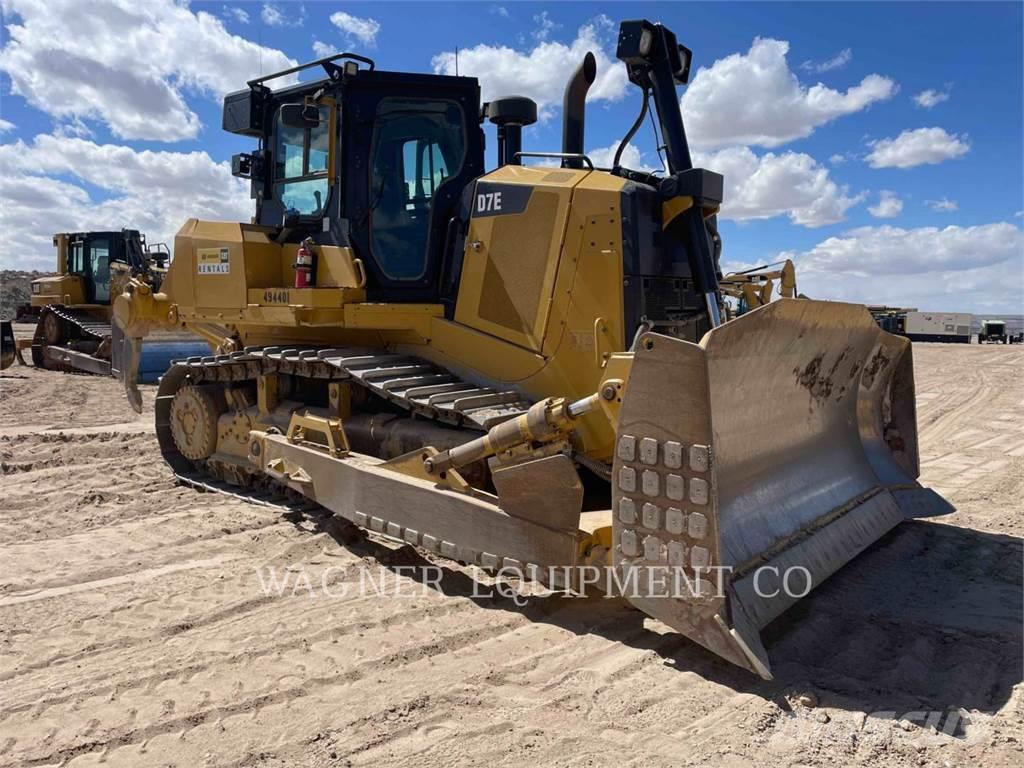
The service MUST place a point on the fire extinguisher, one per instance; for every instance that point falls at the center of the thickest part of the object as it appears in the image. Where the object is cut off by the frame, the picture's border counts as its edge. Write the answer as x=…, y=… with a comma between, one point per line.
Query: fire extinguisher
x=304, y=264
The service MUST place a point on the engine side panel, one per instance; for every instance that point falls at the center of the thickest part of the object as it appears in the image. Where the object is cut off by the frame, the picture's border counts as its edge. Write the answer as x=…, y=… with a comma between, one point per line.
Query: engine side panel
x=513, y=251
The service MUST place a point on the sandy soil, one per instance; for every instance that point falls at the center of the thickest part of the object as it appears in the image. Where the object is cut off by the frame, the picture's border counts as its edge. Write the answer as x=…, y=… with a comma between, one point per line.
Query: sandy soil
x=134, y=629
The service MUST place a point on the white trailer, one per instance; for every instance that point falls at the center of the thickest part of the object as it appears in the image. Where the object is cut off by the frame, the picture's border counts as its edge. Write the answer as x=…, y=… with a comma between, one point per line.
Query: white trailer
x=939, y=326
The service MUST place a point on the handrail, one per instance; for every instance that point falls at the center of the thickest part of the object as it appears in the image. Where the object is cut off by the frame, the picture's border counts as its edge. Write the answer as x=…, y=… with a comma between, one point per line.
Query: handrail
x=563, y=155
x=308, y=64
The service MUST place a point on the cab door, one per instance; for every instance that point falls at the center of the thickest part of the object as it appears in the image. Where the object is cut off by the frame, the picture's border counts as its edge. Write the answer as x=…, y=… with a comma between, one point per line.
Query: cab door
x=97, y=276
x=75, y=286
x=412, y=144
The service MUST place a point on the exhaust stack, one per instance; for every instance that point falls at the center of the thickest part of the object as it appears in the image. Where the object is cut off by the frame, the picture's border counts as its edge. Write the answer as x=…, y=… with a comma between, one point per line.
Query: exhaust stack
x=574, y=110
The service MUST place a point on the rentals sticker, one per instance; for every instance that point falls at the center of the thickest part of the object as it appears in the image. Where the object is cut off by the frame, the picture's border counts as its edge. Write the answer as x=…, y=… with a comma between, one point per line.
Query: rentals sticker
x=213, y=261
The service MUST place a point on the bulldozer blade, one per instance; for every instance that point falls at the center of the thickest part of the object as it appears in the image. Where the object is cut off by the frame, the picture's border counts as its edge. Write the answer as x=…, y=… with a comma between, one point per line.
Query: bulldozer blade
x=125, y=352
x=752, y=466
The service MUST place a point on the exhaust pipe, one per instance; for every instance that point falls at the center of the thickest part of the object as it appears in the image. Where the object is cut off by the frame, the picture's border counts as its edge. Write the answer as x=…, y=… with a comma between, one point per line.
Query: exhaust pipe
x=574, y=110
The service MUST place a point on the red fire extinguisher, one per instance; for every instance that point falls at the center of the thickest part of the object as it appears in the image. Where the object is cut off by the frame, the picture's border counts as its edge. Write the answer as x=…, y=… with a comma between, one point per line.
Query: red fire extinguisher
x=304, y=264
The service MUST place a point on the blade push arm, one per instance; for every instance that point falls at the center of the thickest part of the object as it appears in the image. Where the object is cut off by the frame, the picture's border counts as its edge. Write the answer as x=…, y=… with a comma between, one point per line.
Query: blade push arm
x=549, y=420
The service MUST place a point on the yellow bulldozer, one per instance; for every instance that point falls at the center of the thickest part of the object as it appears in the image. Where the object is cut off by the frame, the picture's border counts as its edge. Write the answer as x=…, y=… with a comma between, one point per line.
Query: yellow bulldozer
x=753, y=288
x=73, y=308
x=526, y=368
x=73, y=330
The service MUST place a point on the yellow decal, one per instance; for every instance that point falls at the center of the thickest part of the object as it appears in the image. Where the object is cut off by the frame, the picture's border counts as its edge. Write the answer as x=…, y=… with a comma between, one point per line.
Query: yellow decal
x=213, y=261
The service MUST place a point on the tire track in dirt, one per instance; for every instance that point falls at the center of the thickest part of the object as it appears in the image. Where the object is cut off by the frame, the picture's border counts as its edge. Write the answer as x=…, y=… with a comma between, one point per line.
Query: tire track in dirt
x=241, y=701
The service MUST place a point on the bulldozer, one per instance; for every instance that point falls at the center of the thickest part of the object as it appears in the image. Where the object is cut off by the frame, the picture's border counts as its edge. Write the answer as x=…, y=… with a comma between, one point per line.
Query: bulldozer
x=74, y=307
x=753, y=288
x=525, y=368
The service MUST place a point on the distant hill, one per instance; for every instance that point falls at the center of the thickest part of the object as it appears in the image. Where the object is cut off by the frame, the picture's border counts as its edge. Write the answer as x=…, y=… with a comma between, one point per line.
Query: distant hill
x=15, y=289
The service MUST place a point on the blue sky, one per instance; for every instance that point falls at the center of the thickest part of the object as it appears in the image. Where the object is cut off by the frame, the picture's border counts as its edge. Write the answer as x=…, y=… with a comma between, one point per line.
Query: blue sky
x=879, y=193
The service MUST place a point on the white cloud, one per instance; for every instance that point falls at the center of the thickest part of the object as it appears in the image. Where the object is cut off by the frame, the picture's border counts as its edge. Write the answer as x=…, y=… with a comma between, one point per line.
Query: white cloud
x=754, y=98
x=889, y=250
x=541, y=72
x=837, y=159
x=545, y=26
x=790, y=184
x=953, y=268
x=238, y=14
x=320, y=50
x=631, y=157
x=139, y=61
x=928, y=99
x=272, y=15
x=500, y=10
x=155, y=192
x=944, y=205
x=73, y=128
x=357, y=29
x=922, y=146
x=288, y=15
x=838, y=61
x=889, y=206
x=6, y=125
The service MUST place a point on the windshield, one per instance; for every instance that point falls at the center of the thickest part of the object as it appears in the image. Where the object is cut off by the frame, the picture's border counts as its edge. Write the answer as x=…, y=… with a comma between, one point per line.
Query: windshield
x=300, y=165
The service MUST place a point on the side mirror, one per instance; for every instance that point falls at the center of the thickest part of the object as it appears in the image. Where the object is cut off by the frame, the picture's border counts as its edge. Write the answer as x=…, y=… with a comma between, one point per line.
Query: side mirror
x=300, y=115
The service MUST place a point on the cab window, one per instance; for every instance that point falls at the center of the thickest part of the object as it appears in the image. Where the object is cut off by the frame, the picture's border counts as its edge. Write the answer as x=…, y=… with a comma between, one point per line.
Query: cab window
x=300, y=165
x=425, y=169
x=417, y=144
x=76, y=259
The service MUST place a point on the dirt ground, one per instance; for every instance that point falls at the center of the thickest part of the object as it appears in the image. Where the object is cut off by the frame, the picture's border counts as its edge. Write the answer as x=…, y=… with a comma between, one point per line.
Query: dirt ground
x=135, y=629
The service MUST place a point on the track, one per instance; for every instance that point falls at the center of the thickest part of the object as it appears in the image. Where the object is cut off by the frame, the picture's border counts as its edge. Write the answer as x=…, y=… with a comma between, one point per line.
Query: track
x=138, y=625
x=77, y=326
x=411, y=383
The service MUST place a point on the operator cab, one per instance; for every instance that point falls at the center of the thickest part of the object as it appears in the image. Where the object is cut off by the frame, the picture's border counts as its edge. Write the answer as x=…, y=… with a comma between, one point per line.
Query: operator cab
x=383, y=163
x=363, y=159
x=90, y=254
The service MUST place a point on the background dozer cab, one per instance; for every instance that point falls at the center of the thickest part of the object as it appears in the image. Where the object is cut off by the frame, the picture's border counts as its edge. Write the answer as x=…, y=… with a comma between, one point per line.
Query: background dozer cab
x=526, y=366
x=73, y=330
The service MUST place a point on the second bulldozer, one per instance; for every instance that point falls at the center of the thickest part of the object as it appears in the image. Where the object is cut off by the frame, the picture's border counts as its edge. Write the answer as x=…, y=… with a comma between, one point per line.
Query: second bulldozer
x=525, y=368
x=73, y=308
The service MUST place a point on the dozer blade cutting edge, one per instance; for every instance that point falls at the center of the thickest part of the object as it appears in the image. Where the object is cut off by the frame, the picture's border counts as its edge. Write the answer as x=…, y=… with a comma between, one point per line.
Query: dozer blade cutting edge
x=771, y=453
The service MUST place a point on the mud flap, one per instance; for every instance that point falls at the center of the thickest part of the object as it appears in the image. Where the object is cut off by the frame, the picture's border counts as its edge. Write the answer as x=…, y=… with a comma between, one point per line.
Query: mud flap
x=755, y=464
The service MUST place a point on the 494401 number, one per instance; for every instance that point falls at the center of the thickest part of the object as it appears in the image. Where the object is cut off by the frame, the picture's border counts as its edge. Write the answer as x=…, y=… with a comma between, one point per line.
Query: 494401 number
x=275, y=296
